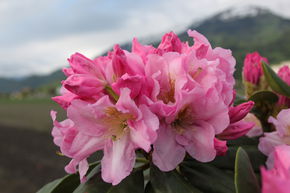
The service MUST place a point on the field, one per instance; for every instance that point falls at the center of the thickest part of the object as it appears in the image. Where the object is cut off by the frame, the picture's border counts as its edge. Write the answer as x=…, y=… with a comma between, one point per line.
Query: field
x=28, y=114
x=28, y=156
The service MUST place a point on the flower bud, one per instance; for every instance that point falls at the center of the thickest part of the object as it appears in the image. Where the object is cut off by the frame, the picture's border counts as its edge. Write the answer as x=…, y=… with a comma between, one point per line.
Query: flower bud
x=284, y=74
x=237, y=113
x=253, y=73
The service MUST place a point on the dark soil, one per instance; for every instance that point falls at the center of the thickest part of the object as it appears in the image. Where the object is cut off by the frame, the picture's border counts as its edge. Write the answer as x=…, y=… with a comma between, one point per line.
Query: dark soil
x=28, y=160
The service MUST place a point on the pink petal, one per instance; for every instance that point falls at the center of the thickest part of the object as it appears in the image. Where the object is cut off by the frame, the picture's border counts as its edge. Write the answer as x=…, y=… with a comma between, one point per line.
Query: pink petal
x=82, y=146
x=236, y=130
x=84, y=85
x=143, y=132
x=269, y=142
x=88, y=117
x=274, y=184
x=167, y=152
x=72, y=166
x=126, y=105
x=83, y=65
x=201, y=142
x=118, y=160
x=283, y=122
x=134, y=83
x=170, y=43
x=239, y=112
x=83, y=168
x=220, y=146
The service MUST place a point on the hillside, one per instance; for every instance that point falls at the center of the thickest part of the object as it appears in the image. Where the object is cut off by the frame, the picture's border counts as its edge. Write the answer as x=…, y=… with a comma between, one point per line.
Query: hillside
x=32, y=82
x=263, y=31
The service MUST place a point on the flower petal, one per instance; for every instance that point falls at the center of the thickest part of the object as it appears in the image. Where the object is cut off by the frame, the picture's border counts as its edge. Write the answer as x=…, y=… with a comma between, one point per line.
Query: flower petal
x=167, y=152
x=201, y=142
x=118, y=160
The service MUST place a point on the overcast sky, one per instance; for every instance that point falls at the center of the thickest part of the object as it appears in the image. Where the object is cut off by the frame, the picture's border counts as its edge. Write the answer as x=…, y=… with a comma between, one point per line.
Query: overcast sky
x=37, y=36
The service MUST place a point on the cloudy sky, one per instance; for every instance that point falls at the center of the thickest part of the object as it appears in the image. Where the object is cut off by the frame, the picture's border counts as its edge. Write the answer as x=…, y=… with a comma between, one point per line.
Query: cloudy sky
x=36, y=37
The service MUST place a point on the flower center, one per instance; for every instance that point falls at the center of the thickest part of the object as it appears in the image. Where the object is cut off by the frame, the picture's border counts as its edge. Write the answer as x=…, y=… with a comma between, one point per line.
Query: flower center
x=196, y=73
x=183, y=120
x=167, y=95
x=116, y=122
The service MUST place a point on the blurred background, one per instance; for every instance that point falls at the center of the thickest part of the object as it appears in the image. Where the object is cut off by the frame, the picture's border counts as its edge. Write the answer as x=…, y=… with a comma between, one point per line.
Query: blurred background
x=36, y=38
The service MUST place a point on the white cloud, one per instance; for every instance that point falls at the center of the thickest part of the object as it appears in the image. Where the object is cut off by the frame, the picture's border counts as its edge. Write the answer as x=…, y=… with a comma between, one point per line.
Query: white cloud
x=37, y=36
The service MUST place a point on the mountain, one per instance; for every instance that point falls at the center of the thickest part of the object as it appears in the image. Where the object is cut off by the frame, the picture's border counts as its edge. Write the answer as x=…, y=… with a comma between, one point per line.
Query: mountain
x=8, y=85
x=242, y=29
x=253, y=29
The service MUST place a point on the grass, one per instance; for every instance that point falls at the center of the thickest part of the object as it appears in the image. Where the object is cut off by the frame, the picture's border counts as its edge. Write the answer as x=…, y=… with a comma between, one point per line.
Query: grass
x=33, y=114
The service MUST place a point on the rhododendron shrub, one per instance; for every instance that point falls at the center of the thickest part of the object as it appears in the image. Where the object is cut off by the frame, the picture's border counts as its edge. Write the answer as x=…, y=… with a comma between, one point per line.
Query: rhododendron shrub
x=166, y=116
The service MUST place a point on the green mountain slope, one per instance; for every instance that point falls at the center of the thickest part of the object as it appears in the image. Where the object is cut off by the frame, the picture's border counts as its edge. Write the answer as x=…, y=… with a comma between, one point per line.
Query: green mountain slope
x=265, y=32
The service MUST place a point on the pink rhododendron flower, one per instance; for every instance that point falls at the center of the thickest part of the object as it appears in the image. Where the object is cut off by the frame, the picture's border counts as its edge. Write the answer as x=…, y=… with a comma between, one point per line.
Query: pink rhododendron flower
x=278, y=137
x=277, y=179
x=176, y=98
x=190, y=80
x=284, y=74
x=118, y=129
x=252, y=70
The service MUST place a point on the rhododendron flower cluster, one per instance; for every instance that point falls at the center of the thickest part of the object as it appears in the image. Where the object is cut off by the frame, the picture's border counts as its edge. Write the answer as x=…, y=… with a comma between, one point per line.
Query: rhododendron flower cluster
x=166, y=101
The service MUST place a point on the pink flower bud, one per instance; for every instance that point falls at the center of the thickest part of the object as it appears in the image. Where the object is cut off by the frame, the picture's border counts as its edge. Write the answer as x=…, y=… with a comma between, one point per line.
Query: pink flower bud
x=252, y=70
x=220, y=147
x=236, y=130
x=237, y=113
x=284, y=74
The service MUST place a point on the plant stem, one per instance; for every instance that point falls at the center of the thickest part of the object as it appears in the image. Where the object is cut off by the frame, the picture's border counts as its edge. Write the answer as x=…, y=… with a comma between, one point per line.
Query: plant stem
x=111, y=92
x=142, y=160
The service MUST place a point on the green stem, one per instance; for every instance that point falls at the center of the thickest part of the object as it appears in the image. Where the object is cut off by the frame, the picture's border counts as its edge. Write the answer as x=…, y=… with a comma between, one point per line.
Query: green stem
x=143, y=167
x=142, y=160
x=112, y=93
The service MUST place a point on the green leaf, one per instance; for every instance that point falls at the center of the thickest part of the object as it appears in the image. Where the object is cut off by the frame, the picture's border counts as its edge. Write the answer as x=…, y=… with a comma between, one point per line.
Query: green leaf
x=208, y=178
x=275, y=82
x=95, y=184
x=264, y=97
x=149, y=188
x=227, y=162
x=245, y=179
x=66, y=184
x=169, y=182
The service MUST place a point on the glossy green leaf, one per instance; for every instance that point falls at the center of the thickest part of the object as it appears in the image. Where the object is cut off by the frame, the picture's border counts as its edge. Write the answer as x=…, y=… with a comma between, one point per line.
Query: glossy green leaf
x=275, y=82
x=264, y=97
x=149, y=188
x=133, y=183
x=66, y=184
x=245, y=179
x=169, y=182
x=208, y=178
x=227, y=162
